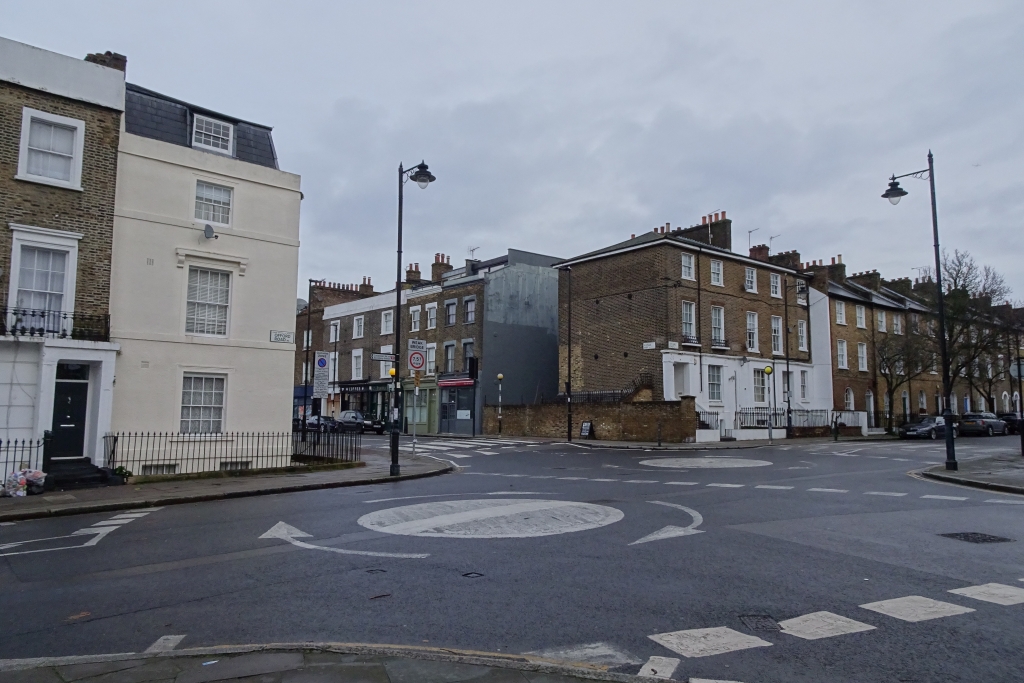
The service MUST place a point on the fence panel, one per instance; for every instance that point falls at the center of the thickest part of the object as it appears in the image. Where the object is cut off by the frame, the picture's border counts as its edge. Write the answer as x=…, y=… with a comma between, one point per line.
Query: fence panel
x=811, y=418
x=708, y=419
x=20, y=454
x=761, y=418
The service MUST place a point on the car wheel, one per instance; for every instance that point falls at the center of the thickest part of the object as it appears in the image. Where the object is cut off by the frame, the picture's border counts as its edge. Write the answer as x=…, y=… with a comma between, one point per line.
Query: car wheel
x=988, y=431
x=931, y=434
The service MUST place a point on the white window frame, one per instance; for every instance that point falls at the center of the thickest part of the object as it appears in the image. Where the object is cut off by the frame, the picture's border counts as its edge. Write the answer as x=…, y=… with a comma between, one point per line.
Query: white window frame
x=230, y=151
x=881, y=321
x=335, y=333
x=687, y=271
x=689, y=322
x=719, y=312
x=840, y=312
x=841, y=355
x=803, y=384
x=75, y=182
x=219, y=186
x=775, y=285
x=801, y=335
x=223, y=406
x=750, y=280
x=230, y=305
x=897, y=323
x=861, y=317
x=762, y=385
x=357, y=354
x=713, y=396
x=431, y=316
x=849, y=401
x=862, y=356
x=333, y=367
x=469, y=310
x=44, y=238
x=449, y=345
x=307, y=339
x=777, y=335
x=752, y=336
x=431, y=358
x=389, y=318
x=385, y=366
x=717, y=273
x=414, y=318
x=358, y=327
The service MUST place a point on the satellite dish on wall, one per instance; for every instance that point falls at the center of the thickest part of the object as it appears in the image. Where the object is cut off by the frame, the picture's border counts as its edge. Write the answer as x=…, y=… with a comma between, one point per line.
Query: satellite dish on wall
x=209, y=234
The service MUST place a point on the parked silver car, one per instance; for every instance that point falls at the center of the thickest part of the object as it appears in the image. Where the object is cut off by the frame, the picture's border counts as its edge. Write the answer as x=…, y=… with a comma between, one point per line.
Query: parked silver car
x=982, y=423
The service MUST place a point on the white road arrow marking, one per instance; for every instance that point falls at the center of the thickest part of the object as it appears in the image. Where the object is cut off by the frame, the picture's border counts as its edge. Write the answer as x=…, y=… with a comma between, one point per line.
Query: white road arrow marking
x=286, y=532
x=673, y=531
x=97, y=535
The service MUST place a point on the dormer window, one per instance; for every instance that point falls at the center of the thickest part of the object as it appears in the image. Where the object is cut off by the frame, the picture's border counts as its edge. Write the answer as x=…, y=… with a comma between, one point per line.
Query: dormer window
x=212, y=135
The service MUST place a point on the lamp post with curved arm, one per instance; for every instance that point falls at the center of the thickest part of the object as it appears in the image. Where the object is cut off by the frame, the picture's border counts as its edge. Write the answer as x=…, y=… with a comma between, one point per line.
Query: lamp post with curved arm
x=422, y=176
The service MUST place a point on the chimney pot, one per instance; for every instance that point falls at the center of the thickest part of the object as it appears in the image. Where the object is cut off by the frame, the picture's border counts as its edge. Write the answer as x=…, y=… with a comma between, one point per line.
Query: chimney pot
x=723, y=215
x=839, y=258
x=703, y=220
x=833, y=260
x=632, y=236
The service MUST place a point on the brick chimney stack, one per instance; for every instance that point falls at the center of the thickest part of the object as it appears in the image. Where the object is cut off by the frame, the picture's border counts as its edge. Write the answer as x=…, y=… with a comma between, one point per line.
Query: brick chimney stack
x=787, y=259
x=108, y=59
x=759, y=252
x=869, y=279
x=412, y=274
x=440, y=266
x=366, y=289
x=714, y=229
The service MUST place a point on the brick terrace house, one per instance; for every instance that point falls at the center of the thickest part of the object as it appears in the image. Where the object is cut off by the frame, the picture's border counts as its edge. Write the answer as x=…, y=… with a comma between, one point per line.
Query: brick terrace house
x=678, y=311
x=478, y=320
x=60, y=122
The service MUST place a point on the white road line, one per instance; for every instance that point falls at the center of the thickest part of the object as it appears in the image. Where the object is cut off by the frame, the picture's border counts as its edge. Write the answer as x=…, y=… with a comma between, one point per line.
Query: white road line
x=945, y=497
x=883, y=493
x=728, y=486
x=640, y=481
x=901, y=459
x=822, y=625
x=424, y=447
x=1007, y=502
x=112, y=522
x=704, y=642
x=542, y=476
x=487, y=452
x=130, y=515
x=774, y=488
x=674, y=483
x=604, y=480
x=572, y=478
x=165, y=643
x=998, y=593
x=916, y=608
x=829, y=490
x=659, y=667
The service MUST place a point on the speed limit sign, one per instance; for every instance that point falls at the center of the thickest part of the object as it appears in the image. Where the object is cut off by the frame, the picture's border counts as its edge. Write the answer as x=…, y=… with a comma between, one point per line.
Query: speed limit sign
x=417, y=360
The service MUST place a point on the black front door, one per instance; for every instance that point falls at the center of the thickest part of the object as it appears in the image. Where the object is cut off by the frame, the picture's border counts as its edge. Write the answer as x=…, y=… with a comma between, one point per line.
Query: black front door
x=70, y=399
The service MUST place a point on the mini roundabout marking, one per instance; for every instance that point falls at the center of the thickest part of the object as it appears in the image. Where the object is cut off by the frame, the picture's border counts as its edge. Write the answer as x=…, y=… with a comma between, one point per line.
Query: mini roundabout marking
x=709, y=463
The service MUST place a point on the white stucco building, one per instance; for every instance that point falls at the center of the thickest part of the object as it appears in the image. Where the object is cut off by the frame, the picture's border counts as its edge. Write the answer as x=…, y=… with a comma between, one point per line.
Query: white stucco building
x=205, y=260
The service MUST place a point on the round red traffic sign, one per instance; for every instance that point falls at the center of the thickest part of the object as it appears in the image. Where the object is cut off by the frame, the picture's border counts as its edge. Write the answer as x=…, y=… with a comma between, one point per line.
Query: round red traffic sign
x=417, y=359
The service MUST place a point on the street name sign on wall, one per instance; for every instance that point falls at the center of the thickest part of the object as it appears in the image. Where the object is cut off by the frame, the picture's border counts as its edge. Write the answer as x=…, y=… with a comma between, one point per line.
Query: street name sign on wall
x=386, y=357
x=282, y=337
x=321, y=366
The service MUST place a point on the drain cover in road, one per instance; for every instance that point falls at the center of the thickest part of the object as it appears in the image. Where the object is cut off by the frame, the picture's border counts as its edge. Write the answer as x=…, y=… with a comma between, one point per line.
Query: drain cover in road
x=976, y=537
x=494, y=518
x=704, y=463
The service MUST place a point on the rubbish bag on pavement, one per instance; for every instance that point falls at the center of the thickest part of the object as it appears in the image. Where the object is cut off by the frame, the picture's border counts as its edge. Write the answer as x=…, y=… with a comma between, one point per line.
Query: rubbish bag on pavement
x=23, y=482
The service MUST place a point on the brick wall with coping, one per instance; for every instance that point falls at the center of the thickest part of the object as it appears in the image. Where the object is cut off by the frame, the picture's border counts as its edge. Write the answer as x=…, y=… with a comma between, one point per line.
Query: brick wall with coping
x=89, y=211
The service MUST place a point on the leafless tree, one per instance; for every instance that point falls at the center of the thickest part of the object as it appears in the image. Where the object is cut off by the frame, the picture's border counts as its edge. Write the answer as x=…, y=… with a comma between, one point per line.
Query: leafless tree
x=901, y=358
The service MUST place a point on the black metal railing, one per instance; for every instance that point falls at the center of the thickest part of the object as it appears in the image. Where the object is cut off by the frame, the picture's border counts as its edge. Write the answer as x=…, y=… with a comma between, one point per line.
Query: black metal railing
x=610, y=396
x=812, y=418
x=151, y=453
x=708, y=419
x=893, y=420
x=688, y=339
x=27, y=322
x=848, y=418
x=719, y=342
x=761, y=418
x=20, y=454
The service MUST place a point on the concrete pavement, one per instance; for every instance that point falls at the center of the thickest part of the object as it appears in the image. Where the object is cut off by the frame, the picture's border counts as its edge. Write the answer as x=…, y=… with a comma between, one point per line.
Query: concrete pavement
x=1003, y=472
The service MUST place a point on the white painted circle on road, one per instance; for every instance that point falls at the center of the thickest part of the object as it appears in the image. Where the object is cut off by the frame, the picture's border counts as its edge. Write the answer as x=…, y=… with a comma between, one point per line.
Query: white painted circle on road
x=704, y=463
x=492, y=518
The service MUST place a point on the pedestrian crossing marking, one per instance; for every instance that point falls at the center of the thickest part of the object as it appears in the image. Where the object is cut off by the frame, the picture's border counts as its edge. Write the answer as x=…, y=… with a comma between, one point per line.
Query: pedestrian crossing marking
x=822, y=625
x=659, y=667
x=998, y=593
x=776, y=488
x=945, y=497
x=705, y=642
x=829, y=490
x=728, y=486
x=883, y=493
x=916, y=608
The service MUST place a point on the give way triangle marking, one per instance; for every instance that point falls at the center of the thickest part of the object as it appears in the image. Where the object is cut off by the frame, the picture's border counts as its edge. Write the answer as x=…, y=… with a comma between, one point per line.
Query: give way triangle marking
x=286, y=532
x=673, y=531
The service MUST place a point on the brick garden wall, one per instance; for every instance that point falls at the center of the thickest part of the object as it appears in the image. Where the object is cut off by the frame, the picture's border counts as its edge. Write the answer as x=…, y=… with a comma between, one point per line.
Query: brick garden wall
x=611, y=421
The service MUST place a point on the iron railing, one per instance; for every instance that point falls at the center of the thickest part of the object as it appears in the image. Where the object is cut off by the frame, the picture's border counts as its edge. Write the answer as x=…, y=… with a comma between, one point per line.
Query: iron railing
x=811, y=418
x=708, y=419
x=848, y=418
x=27, y=322
x=20, y=454
x=150, y=453
x=690, y=339
x=761, y=418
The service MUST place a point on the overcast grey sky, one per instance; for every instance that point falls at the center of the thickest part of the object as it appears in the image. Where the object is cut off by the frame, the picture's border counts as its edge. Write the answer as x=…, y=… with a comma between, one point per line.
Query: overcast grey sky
x=560, y=127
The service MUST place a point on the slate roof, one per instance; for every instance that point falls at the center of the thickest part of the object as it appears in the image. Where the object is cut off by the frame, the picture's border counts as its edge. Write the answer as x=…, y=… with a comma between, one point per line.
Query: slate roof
x=164, y=118
x=883, y=297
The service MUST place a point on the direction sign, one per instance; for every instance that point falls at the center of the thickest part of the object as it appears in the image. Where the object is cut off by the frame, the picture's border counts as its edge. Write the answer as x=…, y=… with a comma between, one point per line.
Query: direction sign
x=418, y=345
x=417, y=360
x=320, y=374
x=386, y=357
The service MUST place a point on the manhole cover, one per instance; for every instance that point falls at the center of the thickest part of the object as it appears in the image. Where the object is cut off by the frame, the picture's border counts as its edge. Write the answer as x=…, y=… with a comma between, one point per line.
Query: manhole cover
x=760, y=622
x=473, y=575
x=976, y=537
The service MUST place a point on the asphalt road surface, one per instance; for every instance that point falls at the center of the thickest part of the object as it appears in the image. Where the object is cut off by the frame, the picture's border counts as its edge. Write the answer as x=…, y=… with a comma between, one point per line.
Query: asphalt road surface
x=802, y=562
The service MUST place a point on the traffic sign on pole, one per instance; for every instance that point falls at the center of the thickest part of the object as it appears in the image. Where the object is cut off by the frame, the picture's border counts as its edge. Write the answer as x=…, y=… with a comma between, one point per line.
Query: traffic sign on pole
x=417, y=360
x=320, y=374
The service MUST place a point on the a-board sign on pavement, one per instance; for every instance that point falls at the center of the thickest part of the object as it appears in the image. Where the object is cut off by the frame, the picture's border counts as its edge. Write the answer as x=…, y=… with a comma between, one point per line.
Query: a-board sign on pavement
x=321, y=367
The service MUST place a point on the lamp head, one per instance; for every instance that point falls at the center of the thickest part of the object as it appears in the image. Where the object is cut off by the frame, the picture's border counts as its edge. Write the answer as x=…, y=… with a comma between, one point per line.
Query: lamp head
x=422, y=176
x=391, y=372
x=895, y=192
x=500, y=376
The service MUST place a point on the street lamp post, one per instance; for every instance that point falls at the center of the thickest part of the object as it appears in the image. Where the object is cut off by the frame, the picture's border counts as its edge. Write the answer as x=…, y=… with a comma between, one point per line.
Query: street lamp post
x=422, y=176
x=894, y=193
x=500, y=377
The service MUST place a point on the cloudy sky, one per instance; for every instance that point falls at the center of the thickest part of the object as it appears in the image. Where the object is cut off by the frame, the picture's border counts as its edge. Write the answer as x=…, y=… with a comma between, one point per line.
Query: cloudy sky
x=560, y=127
